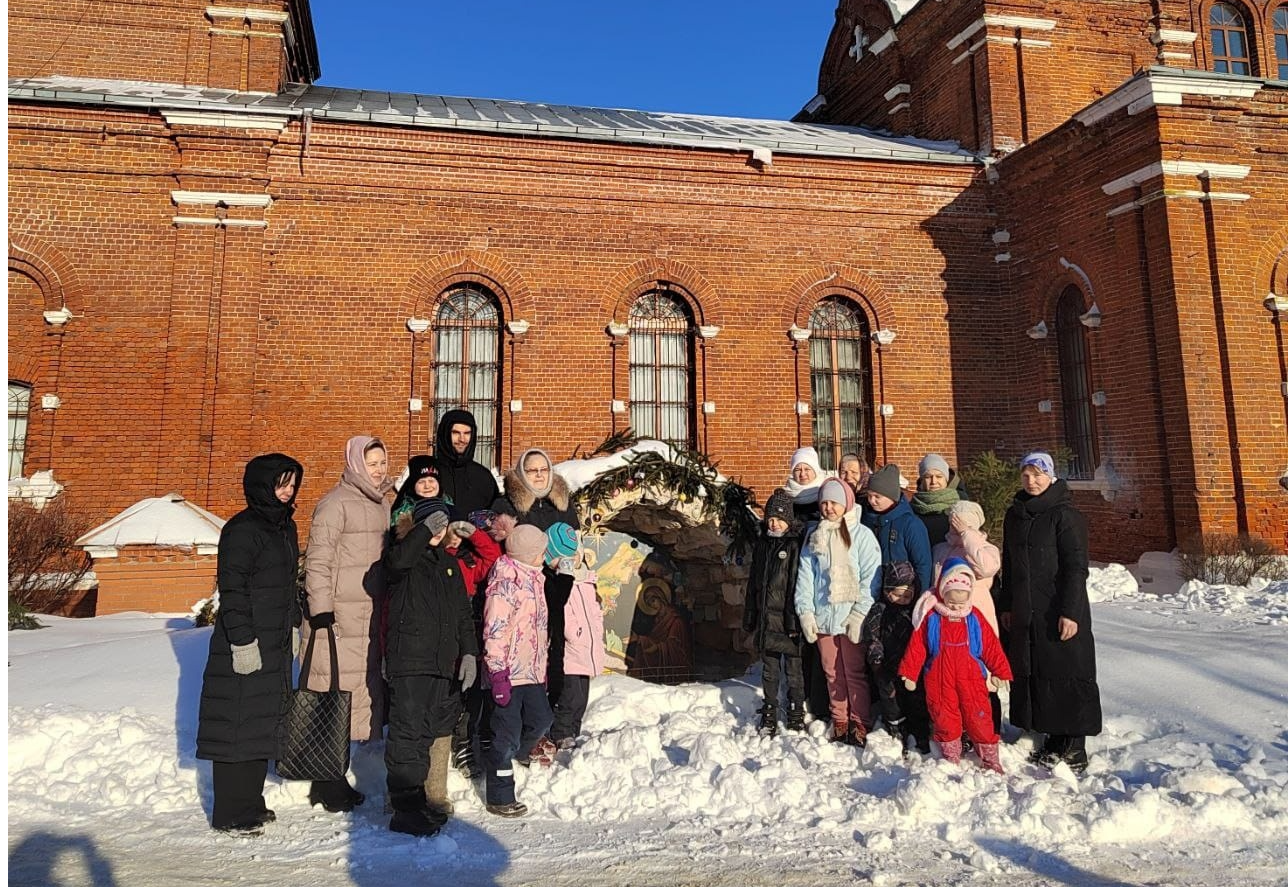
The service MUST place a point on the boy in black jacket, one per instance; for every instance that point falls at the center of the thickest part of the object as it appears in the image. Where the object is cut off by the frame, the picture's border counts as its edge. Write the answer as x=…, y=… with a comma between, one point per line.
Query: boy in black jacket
x=887, y=629
x=431, y=627
x=770, y=612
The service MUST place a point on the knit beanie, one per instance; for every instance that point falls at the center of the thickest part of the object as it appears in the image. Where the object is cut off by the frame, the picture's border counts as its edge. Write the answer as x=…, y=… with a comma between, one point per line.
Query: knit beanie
x=885, y=481
x=561, y=541
x=809, y=456
x=425, y=507
x=1041, y=461
x=934, y=462
x=838, y=491
x=779, y=506
x=956, y=573
x=420, y=466
x=968, y=513
x=898, y=573
x=526, y=544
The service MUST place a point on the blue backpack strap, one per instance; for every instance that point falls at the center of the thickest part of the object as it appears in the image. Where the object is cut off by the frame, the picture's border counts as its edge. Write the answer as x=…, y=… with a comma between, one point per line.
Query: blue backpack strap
x=975, y=641
x=932, y=638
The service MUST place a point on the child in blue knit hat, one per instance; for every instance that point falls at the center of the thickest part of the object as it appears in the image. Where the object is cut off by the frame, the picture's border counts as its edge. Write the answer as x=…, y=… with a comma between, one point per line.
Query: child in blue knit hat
x=583, y=635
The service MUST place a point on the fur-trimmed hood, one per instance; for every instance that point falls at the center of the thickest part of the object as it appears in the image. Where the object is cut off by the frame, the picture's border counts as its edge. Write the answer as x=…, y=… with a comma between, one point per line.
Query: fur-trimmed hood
x=523, y=498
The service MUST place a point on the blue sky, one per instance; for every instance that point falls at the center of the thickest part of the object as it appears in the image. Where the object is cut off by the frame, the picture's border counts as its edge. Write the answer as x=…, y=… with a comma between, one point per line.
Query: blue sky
x=757, y=58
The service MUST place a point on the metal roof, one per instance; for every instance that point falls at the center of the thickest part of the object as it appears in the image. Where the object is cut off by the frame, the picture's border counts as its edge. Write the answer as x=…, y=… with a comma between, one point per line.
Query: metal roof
x=498, y=117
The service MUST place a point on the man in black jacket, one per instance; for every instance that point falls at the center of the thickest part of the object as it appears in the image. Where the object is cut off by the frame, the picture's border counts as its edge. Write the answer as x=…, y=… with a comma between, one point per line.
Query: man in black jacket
x=468, y=485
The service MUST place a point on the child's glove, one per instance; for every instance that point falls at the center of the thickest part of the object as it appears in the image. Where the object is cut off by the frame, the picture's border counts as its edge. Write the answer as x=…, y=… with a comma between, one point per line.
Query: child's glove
x=468, y=672
x=995, y=683
x=565, y=566
x=809, y=627
x=909, y=684
x=502, y=524
x=854, y=627
x=246, y=658
x=462, y=528
x=501, y=687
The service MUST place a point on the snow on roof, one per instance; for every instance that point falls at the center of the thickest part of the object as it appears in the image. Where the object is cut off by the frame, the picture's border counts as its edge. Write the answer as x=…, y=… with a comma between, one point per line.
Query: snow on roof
x=168, y=520
x=578, y=473
x=496, y=116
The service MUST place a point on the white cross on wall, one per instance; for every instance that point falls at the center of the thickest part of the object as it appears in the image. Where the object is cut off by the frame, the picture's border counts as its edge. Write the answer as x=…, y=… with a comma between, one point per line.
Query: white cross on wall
x=860, y=41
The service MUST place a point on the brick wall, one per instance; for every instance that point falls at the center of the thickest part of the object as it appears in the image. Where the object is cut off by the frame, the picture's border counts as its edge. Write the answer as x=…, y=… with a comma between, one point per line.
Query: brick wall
x=153, y=580
x=245, y=46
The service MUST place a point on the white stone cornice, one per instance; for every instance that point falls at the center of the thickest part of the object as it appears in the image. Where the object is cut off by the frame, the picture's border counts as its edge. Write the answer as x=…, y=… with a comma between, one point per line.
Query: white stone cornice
x=815, y=103
x=1162, y=87
x=235, y=32
x=882, y=43
x=1164, y=35
x=212, y=222
x=223, y=119
x=902, y=106
x=220, y=198
x=1196, y=168
x=1021, y=22
x=246, y=14
x=897, y=90
x=964, y=35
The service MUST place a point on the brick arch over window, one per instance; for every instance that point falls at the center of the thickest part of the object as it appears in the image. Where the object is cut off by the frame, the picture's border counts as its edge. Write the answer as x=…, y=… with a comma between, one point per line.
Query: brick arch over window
x=51, y=271
x=633, y=281
x=829, y=279
x=1270, y=265
x=425, y=287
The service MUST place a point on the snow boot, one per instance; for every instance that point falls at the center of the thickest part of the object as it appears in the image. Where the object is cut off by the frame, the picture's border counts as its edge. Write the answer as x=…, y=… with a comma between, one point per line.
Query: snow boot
x=542, y=753
x=335, y=795
x=952, y=750
x=768, y=721
x=840, y=732
x=896, y=728
x=510, y=810
x=412, y=815
x=250, y=828
x=858, y=735
x=1075, y=755
x=436, y=781
x=463, y=760
x=795, y=720
x=988, y=757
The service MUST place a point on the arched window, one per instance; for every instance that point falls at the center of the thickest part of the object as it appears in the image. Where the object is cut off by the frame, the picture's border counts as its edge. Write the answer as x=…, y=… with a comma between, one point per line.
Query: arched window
x=467, y=362
x=840, y=375
x=1075, y=385
x=19, y=407
x=1281, y=40
x=661, y=362
x=1229, y=36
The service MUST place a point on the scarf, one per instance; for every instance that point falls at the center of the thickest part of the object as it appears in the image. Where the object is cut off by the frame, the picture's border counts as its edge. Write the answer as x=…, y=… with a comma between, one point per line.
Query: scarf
x=834, y=556
x=935, y=501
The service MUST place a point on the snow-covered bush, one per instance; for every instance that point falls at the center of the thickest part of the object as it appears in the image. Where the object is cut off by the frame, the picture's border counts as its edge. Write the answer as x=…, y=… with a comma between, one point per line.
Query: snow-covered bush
x=1230, y=559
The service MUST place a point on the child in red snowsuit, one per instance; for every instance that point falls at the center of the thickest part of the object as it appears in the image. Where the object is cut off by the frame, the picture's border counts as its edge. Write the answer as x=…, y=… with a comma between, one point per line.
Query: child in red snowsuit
x=961, y=649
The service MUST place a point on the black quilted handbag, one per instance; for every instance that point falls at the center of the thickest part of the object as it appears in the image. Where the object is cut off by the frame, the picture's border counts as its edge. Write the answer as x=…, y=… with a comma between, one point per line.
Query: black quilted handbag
x=314, y=736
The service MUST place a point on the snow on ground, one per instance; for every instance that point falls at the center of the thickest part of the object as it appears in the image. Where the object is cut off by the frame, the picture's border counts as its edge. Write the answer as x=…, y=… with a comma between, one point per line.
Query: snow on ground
x=1188, y=785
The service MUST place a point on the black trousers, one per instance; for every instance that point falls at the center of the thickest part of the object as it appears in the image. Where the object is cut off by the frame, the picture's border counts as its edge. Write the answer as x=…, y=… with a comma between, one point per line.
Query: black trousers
x=570, y=708
x=239, y=792
x=421, y=709
x=774, y=665
x=816, y=698
x=898, y=702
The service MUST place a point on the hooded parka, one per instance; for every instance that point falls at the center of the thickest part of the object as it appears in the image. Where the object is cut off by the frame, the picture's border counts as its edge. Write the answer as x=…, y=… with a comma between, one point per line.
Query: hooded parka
x=343, y=575
x=465, y=483
x=258, y=557
x=770, y=607
x=1044, y=577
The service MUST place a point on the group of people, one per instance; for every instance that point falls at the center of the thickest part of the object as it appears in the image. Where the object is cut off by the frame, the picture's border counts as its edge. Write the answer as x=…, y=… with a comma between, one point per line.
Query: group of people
x=464, y=615
x=881, y=601
x=461, y=615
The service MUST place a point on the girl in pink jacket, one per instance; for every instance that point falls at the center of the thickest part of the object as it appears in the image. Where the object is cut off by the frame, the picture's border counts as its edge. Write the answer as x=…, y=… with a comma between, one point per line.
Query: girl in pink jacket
x=515, y=644
x=583, y=635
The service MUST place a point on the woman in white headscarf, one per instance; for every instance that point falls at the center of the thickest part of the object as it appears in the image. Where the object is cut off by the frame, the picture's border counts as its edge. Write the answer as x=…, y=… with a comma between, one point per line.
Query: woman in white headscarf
x=803, y=483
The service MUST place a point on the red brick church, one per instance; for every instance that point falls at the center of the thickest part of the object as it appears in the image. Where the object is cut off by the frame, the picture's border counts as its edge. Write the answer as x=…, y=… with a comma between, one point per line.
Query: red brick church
x=1000, y=224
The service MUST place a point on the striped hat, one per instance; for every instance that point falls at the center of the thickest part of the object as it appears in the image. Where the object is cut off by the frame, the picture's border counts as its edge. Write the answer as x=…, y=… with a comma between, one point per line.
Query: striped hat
x=561, y=541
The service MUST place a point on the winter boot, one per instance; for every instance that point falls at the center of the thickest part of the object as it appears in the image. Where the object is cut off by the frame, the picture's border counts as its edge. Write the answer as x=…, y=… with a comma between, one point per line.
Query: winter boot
x=510, y=810
x=840, y=732
x=412, y=815
x=1051, y=752
x=895, y=727
x=464, y=761
x=858, y=734
x=1075, y=755
x=795, y=716
x=335, y=795
x=768, y=721
x=436, y=781
x=988, y=757
x=952, y=750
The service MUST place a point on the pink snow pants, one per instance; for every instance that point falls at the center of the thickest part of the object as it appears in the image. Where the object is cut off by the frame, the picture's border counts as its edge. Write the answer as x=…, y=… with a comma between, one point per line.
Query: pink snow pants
x=847, y=679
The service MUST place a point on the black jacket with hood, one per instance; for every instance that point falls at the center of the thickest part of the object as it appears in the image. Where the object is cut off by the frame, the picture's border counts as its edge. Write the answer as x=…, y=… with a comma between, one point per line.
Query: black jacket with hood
x=258, y=603
x=770, y=607
x=467, y=484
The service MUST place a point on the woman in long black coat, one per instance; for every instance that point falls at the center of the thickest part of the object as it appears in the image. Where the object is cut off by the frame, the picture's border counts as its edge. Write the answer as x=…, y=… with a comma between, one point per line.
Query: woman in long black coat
x=1046, y=616
x=248, y=673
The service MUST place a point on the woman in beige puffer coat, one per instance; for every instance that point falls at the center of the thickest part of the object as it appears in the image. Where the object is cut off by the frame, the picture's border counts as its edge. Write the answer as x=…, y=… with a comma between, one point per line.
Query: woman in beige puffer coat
x=346, y=589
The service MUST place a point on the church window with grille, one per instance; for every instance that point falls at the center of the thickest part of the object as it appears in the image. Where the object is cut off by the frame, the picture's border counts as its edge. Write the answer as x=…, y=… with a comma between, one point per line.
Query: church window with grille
x=467, y=363
x=19, y=408
x=840, y=371
x=1075, y=385
x=661, y=367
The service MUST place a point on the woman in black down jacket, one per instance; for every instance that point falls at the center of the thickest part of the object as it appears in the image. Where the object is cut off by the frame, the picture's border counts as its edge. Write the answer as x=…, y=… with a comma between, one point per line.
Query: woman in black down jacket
x=248, y=673
x=1046, y=616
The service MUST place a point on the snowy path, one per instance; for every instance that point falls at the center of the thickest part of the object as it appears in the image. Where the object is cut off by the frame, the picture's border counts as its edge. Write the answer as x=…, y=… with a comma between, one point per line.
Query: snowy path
x=1188, y=786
